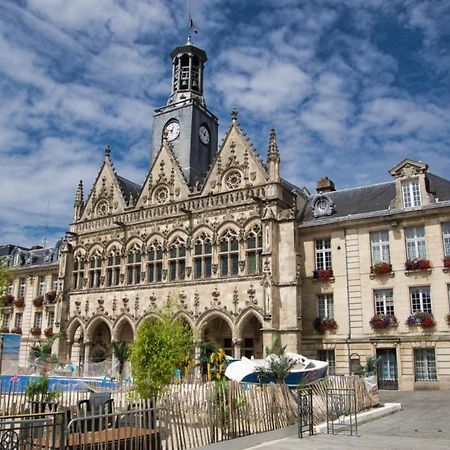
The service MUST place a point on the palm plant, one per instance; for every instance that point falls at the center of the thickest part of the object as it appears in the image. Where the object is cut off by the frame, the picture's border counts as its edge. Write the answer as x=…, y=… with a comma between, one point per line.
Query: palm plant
x=279, y=364
x=121, y=351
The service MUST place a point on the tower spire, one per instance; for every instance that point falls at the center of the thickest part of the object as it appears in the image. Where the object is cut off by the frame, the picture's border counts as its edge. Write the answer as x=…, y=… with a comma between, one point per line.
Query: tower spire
x=273, y=157
x=78, y=204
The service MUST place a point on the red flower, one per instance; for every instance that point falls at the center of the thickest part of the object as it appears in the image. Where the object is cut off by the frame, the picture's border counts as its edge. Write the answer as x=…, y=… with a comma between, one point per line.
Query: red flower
x=323, y=274
x=381, y=268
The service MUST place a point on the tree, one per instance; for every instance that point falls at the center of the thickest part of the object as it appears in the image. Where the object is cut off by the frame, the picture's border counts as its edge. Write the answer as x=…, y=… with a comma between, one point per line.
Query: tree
x=160, y=347
x=5, y=275
x=41, y=351
x=121, y=351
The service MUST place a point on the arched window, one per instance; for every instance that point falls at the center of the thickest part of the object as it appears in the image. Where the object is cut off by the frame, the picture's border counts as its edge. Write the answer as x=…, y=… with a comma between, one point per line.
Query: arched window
x=229, y=254
x=95, y=270
x=177, y=260
x=202, y=257
x=78, y=272
x=134, y=266
x=113, y=269
x=254, y=250
x=155, y=261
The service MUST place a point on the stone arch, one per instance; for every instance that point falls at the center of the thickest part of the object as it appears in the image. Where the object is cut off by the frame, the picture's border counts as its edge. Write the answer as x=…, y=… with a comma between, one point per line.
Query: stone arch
x=249, y=333
x=124, y=329
x=217, y=327
x=134, y=242
x=96, y=249
x=151, y=315
x=158, y=237
x=99, y=338
x=72, y=328
x=75, y=340
x=177, y=233
x=113, y=246
x=196, y=232
x=250, y=223
x=228, y=225
x=79, y=251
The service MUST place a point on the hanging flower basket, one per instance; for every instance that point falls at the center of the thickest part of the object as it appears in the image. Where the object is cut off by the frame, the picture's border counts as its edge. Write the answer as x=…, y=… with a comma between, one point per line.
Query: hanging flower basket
x=16, y=330
x=19, y=302
x=417, y=264
x=6, y=300
x=321, y=325
x=381, y=268
x=50, y=297
x=425, y=320
x=48, y=332
x=36, y=331
x=4, y=330
x=323, y=274
x=379, y=322
x=38, y=302
x=446, y=262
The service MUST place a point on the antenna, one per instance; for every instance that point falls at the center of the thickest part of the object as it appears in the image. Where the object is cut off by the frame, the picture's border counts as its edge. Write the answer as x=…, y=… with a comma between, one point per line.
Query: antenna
x=46, y=224
x=191, y=27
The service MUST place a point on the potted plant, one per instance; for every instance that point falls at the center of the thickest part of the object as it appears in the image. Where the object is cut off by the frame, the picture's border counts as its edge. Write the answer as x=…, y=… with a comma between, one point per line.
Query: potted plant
x=48, y=332
x=6, y=300
x=4, y=330
x=50, y=297
x=381, y=321
x=446, y=262
x=36, y=331
x=324, y=324
x=323, y=274
x=38, y=394
x=16, y=330
x=417, y=264
x=381, y=268
x=19, y=302
x=425, y=320
x=38, y=301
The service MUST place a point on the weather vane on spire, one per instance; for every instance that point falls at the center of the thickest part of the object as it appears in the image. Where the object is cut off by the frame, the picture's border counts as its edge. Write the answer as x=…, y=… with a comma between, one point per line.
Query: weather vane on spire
x=192, y=27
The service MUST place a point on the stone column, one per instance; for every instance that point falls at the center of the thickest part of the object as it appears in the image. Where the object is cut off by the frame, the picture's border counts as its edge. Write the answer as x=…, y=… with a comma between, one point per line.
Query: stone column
x=237, y=348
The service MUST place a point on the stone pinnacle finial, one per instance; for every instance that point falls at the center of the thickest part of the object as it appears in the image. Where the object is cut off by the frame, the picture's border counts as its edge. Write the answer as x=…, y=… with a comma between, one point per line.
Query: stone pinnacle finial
x=164, y=136
x=79, y=194
x=107, y=151
x=273, y=146
x=234, y=115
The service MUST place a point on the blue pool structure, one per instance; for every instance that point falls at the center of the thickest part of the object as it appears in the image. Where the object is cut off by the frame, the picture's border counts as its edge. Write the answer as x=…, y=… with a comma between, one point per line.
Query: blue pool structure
x=18, y=383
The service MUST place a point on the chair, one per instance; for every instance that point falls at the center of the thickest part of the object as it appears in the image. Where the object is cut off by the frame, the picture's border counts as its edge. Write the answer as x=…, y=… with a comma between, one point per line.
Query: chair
x=98, y=404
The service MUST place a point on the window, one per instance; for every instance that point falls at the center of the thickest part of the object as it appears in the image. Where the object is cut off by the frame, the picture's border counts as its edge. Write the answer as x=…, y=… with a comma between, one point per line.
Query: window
x=254, y=250
x=78, y=273
x=411, y=194
x=330, y=358
x=384, y=302
x=5, y=320
x=446, y=238
x=134, y=268
x=425, y=364
x=113, y=270
x=10, y=289
x=155, y=262
x=22, y=287
x=415, y=242
x=54, y=282
x=51, y=319
x=325, y=306
x=323, y=254
x=177, y=260
x=379, y=243
x=202, y=257
x=37, y=319
x=41, y=286
x=18, y=320
x=420, y=299
x=229, y=254
x=95, y=271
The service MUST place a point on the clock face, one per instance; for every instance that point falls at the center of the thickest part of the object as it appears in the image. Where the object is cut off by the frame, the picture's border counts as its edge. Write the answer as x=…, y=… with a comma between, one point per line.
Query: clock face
x=173, y=130
x=204, y=134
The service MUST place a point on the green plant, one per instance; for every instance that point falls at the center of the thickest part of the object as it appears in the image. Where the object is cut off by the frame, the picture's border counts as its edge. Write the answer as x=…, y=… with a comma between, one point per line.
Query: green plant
x=37, y=390
x=121, y=351
x=370, y=368
x=206, y=349
x=5, y=275
x=160, y=346
x=42, y=350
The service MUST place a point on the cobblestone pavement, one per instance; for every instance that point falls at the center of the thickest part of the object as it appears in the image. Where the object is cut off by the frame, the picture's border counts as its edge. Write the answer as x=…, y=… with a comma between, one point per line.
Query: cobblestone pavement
x=423, y=423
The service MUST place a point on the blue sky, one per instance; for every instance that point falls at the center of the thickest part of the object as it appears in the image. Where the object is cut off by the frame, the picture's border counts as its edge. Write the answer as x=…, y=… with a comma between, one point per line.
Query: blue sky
x=351, y=86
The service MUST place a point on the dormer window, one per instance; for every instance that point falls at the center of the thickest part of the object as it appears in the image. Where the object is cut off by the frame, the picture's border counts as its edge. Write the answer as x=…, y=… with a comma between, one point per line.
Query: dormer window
x=411, y=193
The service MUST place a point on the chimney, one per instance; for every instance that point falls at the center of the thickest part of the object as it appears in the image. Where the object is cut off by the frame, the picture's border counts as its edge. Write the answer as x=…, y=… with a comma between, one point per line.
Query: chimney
x=325, y=185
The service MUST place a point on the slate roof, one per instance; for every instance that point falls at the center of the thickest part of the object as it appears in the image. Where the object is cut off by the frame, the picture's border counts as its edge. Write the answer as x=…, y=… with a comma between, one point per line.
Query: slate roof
x=35, y=256
x=128, y=187
x=370, y=199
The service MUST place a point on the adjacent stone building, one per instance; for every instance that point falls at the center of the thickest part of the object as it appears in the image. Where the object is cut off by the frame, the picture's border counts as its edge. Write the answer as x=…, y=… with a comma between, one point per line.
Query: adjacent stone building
x=247, y=257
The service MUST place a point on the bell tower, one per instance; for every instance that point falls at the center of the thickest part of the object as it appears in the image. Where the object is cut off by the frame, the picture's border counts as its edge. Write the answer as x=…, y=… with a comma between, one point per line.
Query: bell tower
x=191, y=128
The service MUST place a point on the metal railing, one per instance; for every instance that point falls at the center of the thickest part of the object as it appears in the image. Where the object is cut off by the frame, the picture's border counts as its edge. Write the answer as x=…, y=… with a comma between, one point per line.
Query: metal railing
x=341, y=411
x=305, y=412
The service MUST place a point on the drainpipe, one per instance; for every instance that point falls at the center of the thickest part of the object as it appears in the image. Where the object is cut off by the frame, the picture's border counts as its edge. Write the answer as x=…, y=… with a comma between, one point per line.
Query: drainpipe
x=349, y=337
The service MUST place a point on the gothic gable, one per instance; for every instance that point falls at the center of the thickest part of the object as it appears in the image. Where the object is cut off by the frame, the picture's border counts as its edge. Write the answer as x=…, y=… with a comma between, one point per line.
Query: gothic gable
x=236, y=165
x=165, y=182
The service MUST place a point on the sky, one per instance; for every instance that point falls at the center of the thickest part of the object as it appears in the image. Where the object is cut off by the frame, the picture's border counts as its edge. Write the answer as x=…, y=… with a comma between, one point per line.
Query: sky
x=352, y=87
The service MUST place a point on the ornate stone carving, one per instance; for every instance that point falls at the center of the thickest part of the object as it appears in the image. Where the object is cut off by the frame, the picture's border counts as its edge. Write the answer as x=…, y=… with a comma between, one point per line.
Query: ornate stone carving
x=215, y=297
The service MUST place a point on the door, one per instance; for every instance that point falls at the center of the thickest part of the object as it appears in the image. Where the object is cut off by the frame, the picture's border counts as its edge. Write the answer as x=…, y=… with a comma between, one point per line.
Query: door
x=387, y=368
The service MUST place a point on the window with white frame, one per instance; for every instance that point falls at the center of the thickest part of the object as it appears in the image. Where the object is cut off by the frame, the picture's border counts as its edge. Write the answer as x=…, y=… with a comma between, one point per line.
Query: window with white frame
x=41, y=286
x=323, y=254
x=5, y=321
x=154, y=263
x=134, y=267
x=95, y=271
x=202, y=257
x=177, y=260
x=22, y=287
x=229, y=254
x=78, y=273
x=384, y=302
x=425, y=364
x=446, y=238
x=54, y=282
x=10, y=289
x=420, y=299
x=37, y=319
x=411, y=193
x=51, y=319
x=113, y=270
x=325, y=307
x=254, y=250
x=18, y=320
x=379, y=244
x=330, y=358
x=416, y=246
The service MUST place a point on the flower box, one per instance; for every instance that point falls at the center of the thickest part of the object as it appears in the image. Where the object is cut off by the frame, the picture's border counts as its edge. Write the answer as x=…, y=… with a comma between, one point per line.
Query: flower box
x=16, y=330
x=425, y=320
x=321, y=325
x=381, y=268
x=36, y=331
x=446, y=262
x=38, y=302
x=6, y=300
x=48, y=332
x=323, y=274
x=4, y=330
x=379, y=322
x=417, y=264
x=50, y=297
x=19, y=302
x=448, y=319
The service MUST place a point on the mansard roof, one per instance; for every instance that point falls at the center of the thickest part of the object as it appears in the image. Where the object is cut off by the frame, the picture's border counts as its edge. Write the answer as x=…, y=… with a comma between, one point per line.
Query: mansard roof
x=370, y=200
x=23, y=257
x=128, y=187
